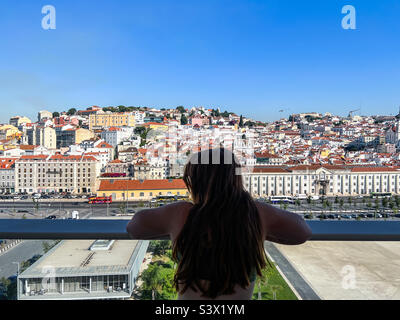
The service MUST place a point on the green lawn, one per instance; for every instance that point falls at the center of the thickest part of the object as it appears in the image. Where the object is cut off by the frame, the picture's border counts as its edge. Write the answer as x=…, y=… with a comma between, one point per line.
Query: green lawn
x=274, y=282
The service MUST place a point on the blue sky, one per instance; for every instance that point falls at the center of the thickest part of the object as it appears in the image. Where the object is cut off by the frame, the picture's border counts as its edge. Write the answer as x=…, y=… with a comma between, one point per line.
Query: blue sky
x=251, y=57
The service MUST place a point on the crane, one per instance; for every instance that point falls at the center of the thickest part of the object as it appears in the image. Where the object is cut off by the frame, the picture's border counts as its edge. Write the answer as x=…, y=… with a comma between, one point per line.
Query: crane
x=351, y=112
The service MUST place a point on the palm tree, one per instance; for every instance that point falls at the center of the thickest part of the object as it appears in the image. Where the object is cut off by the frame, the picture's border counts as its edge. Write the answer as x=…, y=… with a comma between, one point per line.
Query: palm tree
x=275, y=288
x=263, y=280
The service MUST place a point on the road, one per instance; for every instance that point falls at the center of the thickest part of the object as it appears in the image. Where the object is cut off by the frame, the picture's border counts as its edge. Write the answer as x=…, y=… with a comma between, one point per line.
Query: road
x=22, y=252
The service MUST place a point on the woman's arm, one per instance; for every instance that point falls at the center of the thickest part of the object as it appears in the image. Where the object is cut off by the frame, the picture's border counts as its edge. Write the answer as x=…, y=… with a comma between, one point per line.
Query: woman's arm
x=157, y=223
x=282, y=226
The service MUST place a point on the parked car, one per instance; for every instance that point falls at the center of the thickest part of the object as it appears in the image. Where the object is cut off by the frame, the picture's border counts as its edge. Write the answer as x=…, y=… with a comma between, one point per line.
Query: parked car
x=51, y=217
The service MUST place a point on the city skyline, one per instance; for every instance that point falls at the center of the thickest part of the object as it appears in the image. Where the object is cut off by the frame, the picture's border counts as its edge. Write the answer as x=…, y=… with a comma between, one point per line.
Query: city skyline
x=255, y=57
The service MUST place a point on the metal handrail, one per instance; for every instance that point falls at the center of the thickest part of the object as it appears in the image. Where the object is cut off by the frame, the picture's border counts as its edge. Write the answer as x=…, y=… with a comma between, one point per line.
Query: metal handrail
x=116, y=229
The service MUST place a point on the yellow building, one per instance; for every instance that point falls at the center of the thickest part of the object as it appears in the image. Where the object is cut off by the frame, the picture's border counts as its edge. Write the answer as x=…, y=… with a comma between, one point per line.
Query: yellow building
x=17, y=121
x=101, y=120
x=156, y=126
x=136, y=190
x=10, y=131
x=82, y=134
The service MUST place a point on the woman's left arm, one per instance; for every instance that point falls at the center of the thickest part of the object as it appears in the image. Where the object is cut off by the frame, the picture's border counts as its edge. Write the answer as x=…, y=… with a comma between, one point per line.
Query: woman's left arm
x=157, y=223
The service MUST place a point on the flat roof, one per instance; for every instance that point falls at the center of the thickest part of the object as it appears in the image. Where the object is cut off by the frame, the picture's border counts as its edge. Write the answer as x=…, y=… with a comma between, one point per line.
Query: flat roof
x=74, y=258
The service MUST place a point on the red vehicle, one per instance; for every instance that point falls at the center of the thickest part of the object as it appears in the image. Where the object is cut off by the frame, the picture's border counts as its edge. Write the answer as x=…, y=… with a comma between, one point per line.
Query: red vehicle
x=100, y=200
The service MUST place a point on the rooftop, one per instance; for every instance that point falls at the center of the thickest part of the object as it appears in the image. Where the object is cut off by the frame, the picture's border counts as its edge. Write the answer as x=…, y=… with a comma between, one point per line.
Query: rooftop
x=74, y=257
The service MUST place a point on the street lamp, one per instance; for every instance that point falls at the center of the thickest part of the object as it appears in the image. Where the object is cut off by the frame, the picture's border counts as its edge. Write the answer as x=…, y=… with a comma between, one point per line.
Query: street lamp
x=17, y=263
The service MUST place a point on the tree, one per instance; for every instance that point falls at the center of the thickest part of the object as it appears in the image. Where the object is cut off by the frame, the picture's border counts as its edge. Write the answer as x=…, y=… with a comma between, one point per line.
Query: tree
x=122, y=207
x=56, y=114
x=241, y=121
x=184, y=120
x=152, y=280
x=181, y=109
x=71, y=111
x=275, y=288
x=263, y=280
x=159, y=247
x=122, y=109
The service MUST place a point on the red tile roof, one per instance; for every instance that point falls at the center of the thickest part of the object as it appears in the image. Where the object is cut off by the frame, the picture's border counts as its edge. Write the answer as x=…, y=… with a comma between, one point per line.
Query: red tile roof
x=111, y=185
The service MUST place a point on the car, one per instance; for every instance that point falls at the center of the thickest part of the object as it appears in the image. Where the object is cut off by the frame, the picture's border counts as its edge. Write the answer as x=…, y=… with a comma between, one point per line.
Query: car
x=385, y=215
x=131, y=211
x=331, y=216
x=51, y=217
x=22, y=211
x=378, y=215
x=370, y=215
x=362, y=215
x=346, y=216
x=307, y=216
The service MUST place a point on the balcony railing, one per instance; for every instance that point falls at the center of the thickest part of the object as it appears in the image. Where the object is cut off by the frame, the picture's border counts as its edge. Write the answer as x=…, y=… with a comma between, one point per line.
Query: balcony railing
x=116, y=229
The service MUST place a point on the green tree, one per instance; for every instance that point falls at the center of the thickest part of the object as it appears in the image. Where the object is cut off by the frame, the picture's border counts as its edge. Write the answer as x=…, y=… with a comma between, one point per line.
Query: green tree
x=263, y=280
x=71, y=111
x=184, y=120
x=56, y=114
x=122, y=208
x=275, y=288
x=181, y=109
x=122, y=109
x=152, y=280
x=241, y=121
x=159, y=247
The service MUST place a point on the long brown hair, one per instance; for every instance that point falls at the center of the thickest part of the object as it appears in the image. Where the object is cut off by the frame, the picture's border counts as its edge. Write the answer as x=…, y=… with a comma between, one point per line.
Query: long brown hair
x=222, y=233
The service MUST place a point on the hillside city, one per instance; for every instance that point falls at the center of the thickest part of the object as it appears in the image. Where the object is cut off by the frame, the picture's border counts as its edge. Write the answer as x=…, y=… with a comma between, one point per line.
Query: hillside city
x=110, y=151
x=108, y=163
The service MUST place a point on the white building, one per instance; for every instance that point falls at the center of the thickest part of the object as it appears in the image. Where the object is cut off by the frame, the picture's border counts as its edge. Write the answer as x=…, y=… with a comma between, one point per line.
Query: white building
x=327, y=180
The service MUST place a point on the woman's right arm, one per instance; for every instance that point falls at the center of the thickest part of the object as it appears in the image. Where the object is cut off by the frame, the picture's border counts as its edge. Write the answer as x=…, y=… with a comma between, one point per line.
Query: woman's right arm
x=282, y=226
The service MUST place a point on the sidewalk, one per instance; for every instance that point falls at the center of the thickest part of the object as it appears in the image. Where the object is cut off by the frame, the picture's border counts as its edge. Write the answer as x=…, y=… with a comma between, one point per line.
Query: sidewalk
x=9, y=246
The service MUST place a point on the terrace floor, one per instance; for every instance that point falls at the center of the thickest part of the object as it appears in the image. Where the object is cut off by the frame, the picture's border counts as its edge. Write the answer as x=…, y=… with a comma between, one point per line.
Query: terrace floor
x=350, y=270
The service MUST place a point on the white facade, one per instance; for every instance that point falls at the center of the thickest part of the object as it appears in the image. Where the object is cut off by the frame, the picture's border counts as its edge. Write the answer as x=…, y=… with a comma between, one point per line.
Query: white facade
x=346, y=181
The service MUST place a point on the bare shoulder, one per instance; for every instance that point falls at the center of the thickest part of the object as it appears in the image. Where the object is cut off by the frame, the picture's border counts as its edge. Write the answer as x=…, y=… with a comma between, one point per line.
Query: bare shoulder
x=179, y=207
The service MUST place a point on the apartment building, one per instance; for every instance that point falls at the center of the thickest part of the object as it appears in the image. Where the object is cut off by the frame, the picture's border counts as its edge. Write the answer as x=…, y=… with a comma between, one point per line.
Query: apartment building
x=44, y=114
x=327, y=180
x=108, y=119
x=150, y=171
x=115, y=135
x=7, y=175
x=69, y=136
x=58, y=173
x=19, y=121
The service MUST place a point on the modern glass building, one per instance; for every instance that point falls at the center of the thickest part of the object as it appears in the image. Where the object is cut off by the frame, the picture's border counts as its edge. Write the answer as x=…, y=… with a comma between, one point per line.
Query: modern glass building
x=84, y=269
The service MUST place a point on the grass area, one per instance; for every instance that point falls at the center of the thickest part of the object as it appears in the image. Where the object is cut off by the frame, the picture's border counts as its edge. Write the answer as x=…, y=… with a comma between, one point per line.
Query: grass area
x=270, y=282
x=157, y=278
